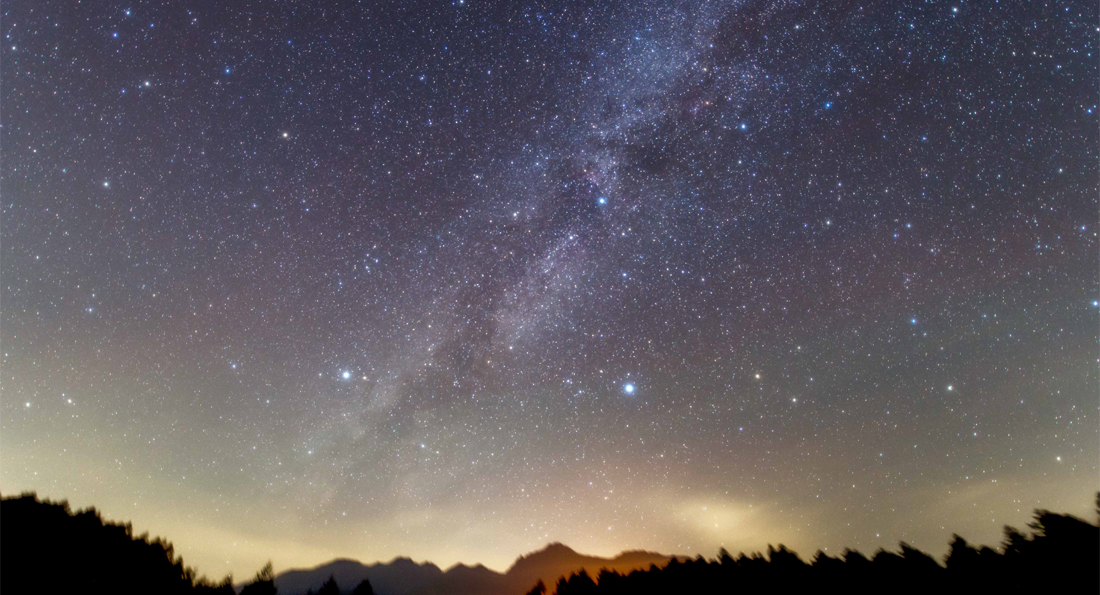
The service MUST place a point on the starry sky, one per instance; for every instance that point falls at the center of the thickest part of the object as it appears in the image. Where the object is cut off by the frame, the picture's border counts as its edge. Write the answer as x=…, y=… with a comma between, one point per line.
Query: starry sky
x=295, y=280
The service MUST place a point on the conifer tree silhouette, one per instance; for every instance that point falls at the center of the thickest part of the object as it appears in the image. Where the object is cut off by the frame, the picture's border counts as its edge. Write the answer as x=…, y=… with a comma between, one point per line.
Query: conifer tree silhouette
x=329, y=587
x=364, y=588
x=263, y=583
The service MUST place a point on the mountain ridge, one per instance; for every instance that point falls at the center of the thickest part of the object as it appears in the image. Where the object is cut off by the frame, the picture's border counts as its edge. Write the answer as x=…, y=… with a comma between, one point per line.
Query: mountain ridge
x=403, y=576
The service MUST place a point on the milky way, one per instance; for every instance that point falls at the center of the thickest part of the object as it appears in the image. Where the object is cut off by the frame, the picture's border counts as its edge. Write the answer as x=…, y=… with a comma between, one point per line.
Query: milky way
x=452, y=280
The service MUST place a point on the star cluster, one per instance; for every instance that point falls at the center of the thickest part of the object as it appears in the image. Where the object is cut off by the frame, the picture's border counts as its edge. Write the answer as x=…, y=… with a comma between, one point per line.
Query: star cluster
x=297, y=280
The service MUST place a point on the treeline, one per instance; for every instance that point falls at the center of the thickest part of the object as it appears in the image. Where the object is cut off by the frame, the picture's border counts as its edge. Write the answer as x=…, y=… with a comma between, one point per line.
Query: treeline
x=47, y=548
x=1062, y=555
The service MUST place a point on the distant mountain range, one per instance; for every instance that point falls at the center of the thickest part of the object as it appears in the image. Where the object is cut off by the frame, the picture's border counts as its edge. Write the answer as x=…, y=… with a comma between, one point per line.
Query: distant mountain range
x=402, y=576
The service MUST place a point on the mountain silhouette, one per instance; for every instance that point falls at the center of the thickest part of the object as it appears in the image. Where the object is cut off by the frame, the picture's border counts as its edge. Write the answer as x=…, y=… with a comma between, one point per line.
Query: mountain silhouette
x=402, y=576
x=557, y=560
x=461, y=579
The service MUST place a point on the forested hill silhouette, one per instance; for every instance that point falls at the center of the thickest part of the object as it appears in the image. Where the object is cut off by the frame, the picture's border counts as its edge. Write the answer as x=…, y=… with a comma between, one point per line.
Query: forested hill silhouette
x=49, y=549
x=402, y=576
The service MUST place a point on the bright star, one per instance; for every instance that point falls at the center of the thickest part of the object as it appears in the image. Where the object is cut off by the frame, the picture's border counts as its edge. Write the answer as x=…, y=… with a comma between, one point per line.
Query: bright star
x=346, y=375
x=602, y=200
x=628, y=388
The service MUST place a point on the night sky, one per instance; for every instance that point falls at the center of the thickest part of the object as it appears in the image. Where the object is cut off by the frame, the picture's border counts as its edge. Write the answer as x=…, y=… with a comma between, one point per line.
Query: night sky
x=451, y=280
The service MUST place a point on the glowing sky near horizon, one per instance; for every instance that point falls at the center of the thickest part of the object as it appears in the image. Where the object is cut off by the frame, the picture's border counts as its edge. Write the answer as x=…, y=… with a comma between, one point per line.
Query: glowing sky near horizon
x=451, y=280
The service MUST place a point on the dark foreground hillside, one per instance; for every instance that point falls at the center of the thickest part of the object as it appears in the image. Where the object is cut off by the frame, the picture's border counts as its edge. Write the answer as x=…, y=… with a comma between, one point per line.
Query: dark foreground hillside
x=47, y=548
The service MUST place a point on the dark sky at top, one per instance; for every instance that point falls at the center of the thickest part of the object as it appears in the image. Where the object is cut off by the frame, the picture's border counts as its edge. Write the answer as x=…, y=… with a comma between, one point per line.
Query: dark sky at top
x=294, y=280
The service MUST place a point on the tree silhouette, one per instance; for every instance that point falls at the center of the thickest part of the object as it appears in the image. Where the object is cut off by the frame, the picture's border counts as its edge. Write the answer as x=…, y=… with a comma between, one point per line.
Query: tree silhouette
x=827, y=569
x=263, y=583
x=364, y=588
x=329, y=587
x=581, y=584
